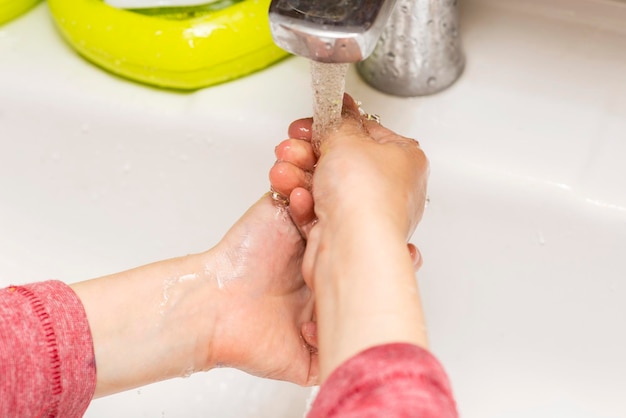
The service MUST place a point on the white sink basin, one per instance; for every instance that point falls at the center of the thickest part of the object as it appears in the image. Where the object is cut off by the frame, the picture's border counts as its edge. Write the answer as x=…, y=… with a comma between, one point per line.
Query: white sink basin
x=524, y=239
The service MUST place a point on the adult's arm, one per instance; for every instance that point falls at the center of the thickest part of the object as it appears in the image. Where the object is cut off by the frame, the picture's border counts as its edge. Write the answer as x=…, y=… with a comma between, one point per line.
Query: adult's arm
x=390, y=380
x=368, y=194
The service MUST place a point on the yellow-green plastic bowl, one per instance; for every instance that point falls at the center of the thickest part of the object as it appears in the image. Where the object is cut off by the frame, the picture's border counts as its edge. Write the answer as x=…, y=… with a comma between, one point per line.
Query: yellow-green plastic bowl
x=172, y=52
x=10, y=9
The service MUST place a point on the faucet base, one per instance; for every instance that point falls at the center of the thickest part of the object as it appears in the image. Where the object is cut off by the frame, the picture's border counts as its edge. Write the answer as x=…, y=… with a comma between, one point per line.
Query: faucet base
x=419, y=53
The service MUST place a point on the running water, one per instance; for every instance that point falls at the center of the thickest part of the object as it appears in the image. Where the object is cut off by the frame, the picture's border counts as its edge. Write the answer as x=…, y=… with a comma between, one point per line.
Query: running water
x=329, y=84
x=328, y=81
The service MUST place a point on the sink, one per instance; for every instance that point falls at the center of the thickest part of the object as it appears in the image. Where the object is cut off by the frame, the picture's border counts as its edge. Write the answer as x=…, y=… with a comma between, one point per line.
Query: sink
x=523, y=239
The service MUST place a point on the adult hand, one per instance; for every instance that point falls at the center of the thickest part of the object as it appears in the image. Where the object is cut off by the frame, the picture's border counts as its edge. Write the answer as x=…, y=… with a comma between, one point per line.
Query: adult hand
x=385, y=169
x=357, y=209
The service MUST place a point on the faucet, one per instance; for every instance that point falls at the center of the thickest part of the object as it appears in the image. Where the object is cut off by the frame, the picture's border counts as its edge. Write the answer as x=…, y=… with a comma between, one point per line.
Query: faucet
x=330, y=31
x=412, y=49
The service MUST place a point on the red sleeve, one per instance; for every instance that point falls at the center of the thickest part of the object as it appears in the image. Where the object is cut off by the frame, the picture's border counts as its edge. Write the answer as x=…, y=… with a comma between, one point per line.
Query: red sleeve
x=47, y=363
x=392, y=381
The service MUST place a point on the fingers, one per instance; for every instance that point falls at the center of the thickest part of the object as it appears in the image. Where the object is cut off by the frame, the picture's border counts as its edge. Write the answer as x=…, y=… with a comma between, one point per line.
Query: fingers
x=302, y=210
x=291, y=176
x=285, y=177
x=309, y=334
x=378, y=132
x=350, y=108
x=308, y=331
x=294, y=166
x=298, y=152
x=301, y=129
x=416, y=256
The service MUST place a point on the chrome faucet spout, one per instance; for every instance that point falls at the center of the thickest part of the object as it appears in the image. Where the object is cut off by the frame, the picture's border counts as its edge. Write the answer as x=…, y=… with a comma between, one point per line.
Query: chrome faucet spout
x=331, y=31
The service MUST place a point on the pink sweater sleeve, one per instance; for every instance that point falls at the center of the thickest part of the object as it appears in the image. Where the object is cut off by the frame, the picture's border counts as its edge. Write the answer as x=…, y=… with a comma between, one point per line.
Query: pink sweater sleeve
x=47, y=363
x=392, y=381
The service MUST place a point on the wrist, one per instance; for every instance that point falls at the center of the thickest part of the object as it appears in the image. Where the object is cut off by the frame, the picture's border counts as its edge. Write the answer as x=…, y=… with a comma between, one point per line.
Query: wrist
x=225, y=343
x=365, y=289
x=359, y=251
x=351, y=219
x=189, y=307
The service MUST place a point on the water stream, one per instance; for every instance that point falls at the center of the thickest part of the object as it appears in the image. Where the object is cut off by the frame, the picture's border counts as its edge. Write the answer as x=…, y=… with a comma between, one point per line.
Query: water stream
x=328, y=82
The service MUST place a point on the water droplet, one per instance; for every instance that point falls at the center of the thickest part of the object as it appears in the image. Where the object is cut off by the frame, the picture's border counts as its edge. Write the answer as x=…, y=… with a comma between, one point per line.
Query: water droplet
x=328, y=45
x=431, y=81
x=404, y=8
x=541, y=238
x=391, y=56
x=188, y=372
x=430, y=22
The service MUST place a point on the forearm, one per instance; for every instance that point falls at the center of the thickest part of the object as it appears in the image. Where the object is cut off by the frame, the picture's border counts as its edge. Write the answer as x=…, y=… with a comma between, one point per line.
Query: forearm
x=365, y=290
x=143, y=325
